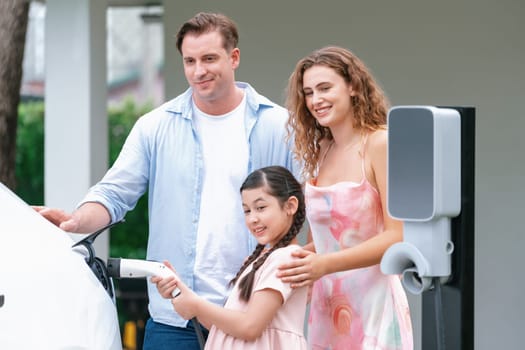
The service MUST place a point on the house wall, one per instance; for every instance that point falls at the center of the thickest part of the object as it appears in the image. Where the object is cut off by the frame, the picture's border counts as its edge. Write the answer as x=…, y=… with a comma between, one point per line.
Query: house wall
x=468, y=53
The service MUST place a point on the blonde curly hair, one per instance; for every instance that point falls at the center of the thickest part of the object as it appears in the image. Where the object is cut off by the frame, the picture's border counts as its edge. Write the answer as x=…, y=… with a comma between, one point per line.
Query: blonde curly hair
x=370, y=103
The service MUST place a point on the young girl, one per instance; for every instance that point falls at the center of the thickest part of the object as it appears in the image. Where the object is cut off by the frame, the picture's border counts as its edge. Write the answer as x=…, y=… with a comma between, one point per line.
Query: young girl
x=338, y=117
x=261, y=312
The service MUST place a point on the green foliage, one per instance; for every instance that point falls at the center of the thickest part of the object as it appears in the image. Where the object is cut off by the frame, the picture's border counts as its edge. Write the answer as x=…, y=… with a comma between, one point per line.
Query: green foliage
x=29, y=168
x=128, y=239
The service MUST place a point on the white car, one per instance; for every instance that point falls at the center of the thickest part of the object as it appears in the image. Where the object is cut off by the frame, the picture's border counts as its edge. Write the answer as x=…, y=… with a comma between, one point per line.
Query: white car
x=49, y=297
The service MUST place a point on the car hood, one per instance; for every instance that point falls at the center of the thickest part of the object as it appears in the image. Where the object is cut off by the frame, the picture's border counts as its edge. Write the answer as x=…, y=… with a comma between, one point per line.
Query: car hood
x=51, y=299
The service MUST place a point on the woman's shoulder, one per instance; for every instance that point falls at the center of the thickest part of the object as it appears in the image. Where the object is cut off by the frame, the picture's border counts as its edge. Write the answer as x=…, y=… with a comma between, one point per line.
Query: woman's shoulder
x=377, y=137
x=376, y=142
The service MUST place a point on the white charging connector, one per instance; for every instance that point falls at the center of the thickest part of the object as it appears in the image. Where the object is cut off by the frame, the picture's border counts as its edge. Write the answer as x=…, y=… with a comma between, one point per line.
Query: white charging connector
x=135, y=268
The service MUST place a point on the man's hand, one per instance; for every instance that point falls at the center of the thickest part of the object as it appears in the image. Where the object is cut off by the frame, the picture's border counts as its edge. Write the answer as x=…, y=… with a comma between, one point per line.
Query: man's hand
x=59, y=218
x=88, y=218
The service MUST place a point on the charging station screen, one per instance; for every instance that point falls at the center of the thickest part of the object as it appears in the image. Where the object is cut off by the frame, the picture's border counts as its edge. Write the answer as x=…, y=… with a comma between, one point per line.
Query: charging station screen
x=411, y=163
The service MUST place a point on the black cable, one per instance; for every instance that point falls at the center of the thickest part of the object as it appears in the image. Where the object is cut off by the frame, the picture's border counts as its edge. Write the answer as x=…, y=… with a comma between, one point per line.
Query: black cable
x=198, y=330
x=97, y=265
x=99, y=268
x=438, y=310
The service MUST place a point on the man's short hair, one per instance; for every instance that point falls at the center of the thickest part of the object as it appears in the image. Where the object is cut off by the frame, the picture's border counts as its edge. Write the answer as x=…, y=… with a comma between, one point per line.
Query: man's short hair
x=205, y=22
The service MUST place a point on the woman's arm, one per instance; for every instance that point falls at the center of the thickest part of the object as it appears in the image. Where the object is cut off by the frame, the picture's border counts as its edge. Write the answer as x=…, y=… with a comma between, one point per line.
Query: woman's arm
x=294, y=267
x=313, y=266
x=370, y=251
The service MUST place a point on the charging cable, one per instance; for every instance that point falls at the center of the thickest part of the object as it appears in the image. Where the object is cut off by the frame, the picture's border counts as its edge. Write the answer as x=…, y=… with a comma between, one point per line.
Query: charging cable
x=198, y=331
x=438, y=310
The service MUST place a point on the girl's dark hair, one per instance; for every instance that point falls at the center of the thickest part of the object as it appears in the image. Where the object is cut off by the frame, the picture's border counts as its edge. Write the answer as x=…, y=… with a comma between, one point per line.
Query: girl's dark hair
x=278, y=182
x=204, y=22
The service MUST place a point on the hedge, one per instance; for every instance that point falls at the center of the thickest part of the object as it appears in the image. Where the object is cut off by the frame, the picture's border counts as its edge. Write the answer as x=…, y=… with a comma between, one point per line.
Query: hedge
x=128, y=239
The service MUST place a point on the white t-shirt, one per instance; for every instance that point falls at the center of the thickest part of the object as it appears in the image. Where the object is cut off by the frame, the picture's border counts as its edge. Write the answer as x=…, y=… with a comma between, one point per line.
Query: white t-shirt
x=222, y=230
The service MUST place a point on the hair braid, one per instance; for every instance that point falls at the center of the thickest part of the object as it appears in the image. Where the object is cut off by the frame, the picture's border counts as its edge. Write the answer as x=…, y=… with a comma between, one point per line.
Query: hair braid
x=246, y=283
x=257, y=251
x=280, y=183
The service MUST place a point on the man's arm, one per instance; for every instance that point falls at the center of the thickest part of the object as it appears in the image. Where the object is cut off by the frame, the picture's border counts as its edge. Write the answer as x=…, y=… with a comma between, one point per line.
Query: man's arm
x=88, y=218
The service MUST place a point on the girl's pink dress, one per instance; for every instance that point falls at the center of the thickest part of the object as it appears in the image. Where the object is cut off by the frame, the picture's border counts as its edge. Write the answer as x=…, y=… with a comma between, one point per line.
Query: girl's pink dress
x=285, y=332
x=361, y=308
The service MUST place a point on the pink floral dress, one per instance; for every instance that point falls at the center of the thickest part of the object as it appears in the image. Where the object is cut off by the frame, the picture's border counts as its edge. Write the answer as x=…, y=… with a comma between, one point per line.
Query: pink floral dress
x=361, y=308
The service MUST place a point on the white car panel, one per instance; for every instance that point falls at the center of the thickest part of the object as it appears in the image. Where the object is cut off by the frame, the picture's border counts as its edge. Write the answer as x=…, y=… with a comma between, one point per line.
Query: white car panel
x=52, y=300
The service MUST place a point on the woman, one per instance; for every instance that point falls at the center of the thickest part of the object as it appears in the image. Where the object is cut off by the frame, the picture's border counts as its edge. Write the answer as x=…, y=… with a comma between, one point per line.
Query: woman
x=338, y=118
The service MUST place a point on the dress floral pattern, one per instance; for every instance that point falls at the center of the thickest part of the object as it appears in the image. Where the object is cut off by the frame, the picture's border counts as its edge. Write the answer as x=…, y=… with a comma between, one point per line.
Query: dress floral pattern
x=361, y=308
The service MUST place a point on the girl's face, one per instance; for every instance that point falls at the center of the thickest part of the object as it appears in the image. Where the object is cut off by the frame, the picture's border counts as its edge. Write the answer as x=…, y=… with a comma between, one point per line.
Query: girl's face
x=265, y=218
x=327, y=95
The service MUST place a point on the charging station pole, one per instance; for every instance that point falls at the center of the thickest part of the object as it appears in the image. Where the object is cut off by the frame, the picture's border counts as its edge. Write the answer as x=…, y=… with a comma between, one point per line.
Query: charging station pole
x=457, y=295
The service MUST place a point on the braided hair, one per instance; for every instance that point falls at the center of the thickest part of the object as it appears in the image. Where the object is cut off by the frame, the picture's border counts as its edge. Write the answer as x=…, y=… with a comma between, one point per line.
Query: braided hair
x=281, y=184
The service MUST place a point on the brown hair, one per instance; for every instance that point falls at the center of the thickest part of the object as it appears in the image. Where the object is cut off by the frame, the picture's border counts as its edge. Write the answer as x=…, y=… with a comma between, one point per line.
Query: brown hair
x=281, y=184
x=204, y=22
x=370, y=103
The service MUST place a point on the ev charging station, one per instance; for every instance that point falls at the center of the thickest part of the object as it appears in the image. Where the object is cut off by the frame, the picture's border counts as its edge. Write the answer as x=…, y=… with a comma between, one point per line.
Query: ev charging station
x=431, y=189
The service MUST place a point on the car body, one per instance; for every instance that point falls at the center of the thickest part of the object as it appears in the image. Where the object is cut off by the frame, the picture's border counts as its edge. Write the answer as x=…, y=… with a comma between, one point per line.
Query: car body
x=51, y=298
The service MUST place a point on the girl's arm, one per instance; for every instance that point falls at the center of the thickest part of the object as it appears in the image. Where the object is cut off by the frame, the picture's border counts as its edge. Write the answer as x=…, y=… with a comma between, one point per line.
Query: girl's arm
x=247, y=325
x=312, y=267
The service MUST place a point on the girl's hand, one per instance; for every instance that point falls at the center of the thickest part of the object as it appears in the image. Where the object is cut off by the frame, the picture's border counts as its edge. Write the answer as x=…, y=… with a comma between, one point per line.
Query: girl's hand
x=186, y=304
x=304, y=270
x=165, y=286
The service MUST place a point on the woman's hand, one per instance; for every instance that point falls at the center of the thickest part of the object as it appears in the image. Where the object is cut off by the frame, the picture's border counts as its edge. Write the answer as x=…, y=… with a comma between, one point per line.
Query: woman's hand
x=303, y=270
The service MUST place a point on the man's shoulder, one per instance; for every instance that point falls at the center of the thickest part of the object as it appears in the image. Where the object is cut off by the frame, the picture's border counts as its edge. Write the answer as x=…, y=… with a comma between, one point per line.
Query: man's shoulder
x=174, y=106
x=179, y=103
x=258, y=101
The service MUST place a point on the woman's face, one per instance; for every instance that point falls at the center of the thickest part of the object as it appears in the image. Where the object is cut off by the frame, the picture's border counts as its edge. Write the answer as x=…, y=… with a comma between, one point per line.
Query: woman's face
x=327, y=95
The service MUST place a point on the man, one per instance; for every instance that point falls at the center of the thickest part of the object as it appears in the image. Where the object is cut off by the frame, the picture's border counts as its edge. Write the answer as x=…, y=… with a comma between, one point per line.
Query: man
x=191, y=154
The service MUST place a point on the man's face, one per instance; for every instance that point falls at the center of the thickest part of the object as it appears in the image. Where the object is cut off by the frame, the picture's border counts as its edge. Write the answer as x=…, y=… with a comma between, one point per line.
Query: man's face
x=208, y=67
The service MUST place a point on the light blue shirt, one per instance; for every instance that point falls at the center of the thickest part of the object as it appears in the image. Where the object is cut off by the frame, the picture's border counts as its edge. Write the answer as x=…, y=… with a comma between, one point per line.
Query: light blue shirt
x=163, y=155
